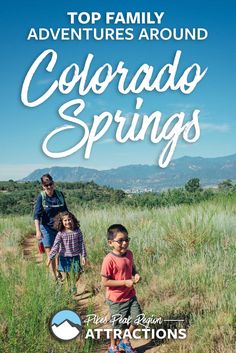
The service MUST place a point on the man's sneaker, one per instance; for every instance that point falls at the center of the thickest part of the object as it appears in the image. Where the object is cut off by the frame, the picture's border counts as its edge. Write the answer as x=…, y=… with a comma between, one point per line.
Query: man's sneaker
x=113, y=350
x=127, y=347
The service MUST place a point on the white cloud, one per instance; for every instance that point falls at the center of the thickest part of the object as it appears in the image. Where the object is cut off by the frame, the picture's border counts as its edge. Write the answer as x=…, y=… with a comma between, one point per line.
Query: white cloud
x=100, y=102
x=215, y=127
x=109, y=140
x=15, y=172
x=130, y=115
x=43, y=82
x=19, y=171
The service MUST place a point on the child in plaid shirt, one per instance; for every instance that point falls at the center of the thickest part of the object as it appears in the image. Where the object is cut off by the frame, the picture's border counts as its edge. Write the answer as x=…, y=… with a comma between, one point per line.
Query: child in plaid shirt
x=69, y=245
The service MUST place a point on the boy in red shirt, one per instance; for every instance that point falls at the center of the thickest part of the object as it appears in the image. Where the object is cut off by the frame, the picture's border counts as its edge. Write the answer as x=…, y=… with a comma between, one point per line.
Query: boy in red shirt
x=118, y=276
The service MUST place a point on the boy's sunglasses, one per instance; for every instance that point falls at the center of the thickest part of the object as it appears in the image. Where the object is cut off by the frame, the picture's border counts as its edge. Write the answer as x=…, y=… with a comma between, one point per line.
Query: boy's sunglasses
x=120, y=241
x=48, y=185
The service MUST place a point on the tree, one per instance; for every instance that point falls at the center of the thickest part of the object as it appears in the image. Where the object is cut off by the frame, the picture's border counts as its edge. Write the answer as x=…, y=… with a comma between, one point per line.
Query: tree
x=193, y=185
x=226, y=185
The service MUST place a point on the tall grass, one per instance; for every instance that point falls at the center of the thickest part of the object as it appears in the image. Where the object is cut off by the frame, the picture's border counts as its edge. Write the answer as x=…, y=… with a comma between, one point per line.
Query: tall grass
x=186, y=258
x=28, y=298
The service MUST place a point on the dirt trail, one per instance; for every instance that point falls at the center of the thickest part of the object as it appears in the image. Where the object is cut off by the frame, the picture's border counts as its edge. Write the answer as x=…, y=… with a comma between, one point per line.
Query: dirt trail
x=86, y=298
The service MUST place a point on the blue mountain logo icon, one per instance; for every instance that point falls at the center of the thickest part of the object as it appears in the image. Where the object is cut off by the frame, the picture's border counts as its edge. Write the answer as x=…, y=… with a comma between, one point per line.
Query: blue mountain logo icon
x=65, y=325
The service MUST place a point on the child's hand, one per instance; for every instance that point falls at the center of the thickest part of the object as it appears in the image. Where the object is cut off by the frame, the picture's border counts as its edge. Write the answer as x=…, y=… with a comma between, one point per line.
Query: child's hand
x=83, y=261
x=129, y=283
x=49, y=262
x=38, y=235
x=137, y=278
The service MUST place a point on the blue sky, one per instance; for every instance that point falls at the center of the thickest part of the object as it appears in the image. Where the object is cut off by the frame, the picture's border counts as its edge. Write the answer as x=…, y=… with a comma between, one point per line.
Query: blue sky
x=23, y=129
x=66, y=315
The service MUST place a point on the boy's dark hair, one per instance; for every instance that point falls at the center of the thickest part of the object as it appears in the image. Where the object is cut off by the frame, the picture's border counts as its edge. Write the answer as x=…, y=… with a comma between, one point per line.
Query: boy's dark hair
x=45, y=178
x=58, y=225
x=114, y=229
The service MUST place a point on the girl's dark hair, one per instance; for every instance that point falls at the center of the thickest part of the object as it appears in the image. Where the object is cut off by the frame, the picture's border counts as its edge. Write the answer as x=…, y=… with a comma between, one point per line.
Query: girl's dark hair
x=45, y=178
x=58, y=225
x=114, y=229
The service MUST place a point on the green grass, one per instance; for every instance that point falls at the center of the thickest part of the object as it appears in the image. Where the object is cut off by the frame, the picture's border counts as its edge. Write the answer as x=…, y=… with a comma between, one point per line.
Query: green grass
x=28, y=300
x=186, y=257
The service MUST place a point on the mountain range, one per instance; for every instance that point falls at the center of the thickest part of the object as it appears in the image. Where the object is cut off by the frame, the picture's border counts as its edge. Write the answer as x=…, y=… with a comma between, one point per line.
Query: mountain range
x=139, y=177
x=66, y=330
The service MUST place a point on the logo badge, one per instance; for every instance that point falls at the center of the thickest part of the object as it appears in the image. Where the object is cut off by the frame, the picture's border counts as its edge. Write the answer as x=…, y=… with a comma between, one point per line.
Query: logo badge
x=65, y=325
